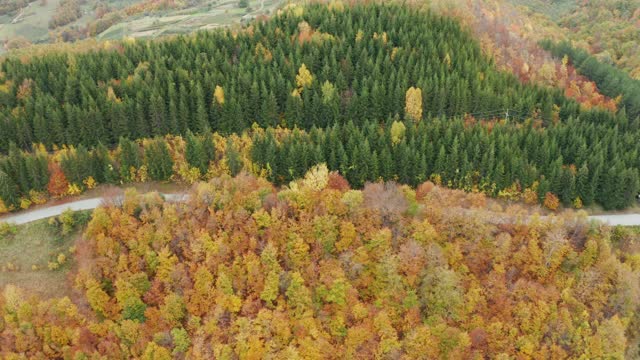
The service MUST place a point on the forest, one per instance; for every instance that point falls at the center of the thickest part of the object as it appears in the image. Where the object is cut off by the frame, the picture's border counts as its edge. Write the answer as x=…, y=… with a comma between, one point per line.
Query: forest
x=611, y=81
x=510, y=36
x=317, y=270
x=608, y=29
x=365, y=181
x=142, y=89
x=377, y=92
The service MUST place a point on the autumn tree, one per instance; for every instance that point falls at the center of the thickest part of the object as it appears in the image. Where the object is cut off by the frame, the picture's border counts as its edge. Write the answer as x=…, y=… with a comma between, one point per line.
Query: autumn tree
x=413, y=104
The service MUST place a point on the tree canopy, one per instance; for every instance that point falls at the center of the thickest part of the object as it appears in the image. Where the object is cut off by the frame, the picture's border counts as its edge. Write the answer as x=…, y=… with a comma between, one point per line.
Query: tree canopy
x=317, y=270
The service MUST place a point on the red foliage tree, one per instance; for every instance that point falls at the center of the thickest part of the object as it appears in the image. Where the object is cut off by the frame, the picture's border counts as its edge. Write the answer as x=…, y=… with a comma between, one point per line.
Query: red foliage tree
x=337, y=182
x=58, y=183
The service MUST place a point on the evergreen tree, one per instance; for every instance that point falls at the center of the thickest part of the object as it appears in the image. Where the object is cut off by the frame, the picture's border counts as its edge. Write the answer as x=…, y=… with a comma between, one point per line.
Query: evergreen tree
x=158, y=160
x=194, y=153
x=8, y=190
x=129, y=159
x=233, y=159
x=583, y=186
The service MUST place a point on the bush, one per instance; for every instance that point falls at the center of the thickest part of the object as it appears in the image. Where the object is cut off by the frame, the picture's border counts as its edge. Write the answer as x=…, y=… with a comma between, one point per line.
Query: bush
x=7, y=229
x=67, y=222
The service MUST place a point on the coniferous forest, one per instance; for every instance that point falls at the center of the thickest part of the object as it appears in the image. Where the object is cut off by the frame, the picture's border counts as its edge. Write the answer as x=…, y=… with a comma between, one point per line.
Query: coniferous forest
x=342, y=76
x=358, y=65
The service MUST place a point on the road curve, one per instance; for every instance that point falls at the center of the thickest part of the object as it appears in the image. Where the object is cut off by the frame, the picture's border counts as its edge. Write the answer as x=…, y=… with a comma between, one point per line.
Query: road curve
x=89, y=204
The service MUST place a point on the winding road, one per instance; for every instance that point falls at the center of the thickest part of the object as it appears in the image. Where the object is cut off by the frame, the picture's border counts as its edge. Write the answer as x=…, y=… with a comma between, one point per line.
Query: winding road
x=89, y=204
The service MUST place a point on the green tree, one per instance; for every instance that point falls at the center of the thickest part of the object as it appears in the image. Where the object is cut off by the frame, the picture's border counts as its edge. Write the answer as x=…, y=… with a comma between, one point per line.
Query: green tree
x=158, y=160
x=8, y=190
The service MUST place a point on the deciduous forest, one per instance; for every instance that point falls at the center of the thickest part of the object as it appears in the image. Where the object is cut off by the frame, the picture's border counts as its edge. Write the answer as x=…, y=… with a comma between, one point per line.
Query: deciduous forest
x=377, y=92
x=317, y=270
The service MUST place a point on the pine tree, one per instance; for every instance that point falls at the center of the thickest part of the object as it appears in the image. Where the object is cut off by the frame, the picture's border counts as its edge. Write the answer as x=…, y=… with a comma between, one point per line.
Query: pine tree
x=567, y=188
x=8, y=190
x=158, y=160
x=101, y=165
x=208, y=149
x=233, y=159
x=201, y=120
x=129, y=158
x=19, y=172
x=141, y=124
x=158, y=116
x=194, y=153
x=41, y=130
x=583, y=186
x=37, y=168
x=293, y=111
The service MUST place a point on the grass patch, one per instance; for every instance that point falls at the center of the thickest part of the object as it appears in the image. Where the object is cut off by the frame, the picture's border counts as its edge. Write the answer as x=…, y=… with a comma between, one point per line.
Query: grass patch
x=37, y=256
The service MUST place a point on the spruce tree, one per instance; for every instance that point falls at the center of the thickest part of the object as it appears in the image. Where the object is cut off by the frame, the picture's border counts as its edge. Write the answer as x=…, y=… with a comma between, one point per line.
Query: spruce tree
x=129, y=159
x=194, y=153
x=8, y=190
x=158, y=160
x=233, y=159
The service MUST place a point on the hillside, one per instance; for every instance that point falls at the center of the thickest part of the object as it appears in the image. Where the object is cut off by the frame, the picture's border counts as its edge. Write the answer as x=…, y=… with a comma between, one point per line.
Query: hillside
x=367, y=89
x=366, y=180
x=607, y=29
x=56, y=21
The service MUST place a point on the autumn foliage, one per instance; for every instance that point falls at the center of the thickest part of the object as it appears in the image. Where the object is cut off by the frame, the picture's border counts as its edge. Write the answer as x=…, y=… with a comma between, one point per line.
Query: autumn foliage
x=315, y=271
x=510, y=37
x=58, y=183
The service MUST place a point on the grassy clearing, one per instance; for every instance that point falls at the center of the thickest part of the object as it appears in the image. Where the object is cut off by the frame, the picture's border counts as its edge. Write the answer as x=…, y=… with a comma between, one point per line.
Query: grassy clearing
x=34, y=19
x=209, y=15
x=33, y=24
x=30, y=254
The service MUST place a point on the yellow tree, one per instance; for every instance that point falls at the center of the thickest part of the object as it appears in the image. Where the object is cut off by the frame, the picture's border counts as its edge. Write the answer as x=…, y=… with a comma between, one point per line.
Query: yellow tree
x=413, y=107
x=304, y=78
x=218, y=94
x=397, y=131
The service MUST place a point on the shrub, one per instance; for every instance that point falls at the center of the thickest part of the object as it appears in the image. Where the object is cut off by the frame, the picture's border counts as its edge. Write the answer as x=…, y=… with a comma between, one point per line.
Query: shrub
x=7, y=229
x=67, y=222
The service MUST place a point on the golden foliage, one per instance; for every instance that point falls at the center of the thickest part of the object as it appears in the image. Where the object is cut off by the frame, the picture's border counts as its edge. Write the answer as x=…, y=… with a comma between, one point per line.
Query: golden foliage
x=397, y=132
x=263, y=53
x=218, y=94
x=36, y=197
x=413, y=104
x=317, y=177
x=3, y=208
x=551, y=201
x=304, y=78
x=25, y=203
x=261, y=276
x=74, y=189
x=90, y=182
